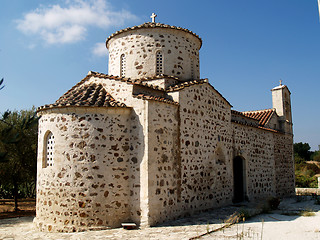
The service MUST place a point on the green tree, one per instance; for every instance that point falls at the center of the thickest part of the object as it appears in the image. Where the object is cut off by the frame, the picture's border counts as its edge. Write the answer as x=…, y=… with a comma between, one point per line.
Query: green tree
x=302, y=150
x=18, y=147
x=316, y=156
x=298, y=159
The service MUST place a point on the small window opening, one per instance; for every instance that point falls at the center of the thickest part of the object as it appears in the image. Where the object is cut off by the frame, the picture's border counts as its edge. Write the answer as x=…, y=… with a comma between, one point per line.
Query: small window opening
x=123, y=65
x=159, y=60
x=50, y=142
x=192, y=69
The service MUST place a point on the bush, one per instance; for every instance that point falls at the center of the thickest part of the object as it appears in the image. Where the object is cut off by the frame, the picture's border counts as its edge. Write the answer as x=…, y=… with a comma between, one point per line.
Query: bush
x=303, y=181
x=316, y=156
x=298, y=159
x=305, y=175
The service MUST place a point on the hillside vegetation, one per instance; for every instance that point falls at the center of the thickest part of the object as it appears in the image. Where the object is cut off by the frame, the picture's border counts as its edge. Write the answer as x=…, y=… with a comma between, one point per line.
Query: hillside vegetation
x=307, y=166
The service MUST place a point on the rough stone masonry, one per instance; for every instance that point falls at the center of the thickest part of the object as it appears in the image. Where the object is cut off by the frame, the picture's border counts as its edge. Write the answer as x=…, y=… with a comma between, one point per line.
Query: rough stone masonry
x=152, y=141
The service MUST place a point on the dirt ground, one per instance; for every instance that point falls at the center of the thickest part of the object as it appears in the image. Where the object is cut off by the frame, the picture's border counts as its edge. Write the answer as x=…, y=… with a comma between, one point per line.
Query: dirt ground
x=27, y=207
x=296, y=219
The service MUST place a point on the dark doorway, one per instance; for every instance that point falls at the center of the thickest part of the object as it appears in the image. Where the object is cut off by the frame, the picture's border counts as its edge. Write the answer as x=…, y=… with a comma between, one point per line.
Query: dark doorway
x=238, y=180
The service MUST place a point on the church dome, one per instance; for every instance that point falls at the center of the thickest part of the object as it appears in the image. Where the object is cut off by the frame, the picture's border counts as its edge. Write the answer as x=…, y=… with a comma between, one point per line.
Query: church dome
x=152, y=49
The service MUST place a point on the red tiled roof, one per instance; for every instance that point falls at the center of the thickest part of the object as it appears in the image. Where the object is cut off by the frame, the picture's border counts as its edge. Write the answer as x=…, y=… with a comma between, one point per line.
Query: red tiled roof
x=182, y=85
x=263, y=128
x=127, y=80
x=155, y=98
x=269, y=129
x=160, y=76
x=91, y=95
x=263, y=116
x=152, y=25
x=79, y=95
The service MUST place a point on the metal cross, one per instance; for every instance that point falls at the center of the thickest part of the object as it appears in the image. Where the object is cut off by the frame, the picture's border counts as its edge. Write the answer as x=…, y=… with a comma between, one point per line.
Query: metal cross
x=280, y=82
x=153, y=17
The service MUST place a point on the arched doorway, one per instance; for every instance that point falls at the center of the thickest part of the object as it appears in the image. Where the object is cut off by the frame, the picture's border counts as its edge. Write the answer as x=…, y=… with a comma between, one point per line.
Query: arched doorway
x=239, y=180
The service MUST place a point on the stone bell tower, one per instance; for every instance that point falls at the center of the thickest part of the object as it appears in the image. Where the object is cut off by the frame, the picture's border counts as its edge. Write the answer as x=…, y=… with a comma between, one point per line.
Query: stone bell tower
x=282, y=103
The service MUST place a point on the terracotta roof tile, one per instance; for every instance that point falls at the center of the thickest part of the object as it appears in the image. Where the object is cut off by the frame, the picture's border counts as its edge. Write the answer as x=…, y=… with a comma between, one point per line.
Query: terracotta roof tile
x=242, y=115
x=151, y=25
x=160, y=77
x=127, y=80
x=260, y=127
x=269, y=129
x=249, y=122
x=185, y=84
x=91, y=95
x=155, y=98
x=263, y=116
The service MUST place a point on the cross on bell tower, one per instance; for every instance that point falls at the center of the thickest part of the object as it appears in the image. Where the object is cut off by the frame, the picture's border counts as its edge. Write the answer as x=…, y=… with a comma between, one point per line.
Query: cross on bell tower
x=153, y=17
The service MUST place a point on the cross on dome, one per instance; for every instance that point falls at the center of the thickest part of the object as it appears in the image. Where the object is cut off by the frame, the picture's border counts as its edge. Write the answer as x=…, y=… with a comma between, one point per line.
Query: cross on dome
x=153, y=17
x=280, y=82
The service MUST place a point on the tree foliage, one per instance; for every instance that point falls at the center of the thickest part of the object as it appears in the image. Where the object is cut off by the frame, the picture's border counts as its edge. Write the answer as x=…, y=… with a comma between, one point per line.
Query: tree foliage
x=305, y=171
x=18, y=152
x=303, y=150
x=298, y=159
x=316, y=156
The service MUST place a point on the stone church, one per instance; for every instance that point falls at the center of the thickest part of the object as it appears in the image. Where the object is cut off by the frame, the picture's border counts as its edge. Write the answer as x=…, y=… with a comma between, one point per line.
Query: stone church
x=152, y=140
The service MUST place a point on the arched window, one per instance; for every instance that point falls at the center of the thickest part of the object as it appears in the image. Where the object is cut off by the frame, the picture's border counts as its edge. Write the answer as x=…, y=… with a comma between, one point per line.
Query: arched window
x=159, y=63
x=49, y=150
x=123, y=64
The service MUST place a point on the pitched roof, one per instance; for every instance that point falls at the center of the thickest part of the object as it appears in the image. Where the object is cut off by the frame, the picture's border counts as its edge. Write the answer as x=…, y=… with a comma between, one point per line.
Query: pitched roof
x=251, y=124
x=91, y=95
x=152, y=25
x=95, y=95
x=185, y=84
x=140, y=82
x=155, y=98
x=280, y=87
x=263, y=116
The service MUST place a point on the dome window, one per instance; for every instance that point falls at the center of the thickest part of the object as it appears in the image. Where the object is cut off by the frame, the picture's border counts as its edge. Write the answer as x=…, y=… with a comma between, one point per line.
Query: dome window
x=159, y=63
x=123, y=64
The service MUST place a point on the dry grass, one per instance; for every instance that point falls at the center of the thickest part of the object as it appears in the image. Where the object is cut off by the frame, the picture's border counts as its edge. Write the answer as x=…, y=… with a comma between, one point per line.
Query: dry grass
x=307, y=213
x=303, y=213
x=27, y=208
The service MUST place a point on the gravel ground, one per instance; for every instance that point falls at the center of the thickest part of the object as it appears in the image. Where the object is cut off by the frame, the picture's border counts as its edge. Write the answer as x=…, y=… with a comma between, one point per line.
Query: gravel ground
x=285, y=223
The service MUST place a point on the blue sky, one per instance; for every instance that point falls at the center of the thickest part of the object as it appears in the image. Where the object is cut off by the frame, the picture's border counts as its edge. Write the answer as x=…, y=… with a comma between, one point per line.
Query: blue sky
x=47, y=46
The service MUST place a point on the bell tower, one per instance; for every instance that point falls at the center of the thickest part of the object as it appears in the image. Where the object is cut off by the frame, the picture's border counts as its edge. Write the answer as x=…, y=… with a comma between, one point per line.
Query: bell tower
x=281, y=102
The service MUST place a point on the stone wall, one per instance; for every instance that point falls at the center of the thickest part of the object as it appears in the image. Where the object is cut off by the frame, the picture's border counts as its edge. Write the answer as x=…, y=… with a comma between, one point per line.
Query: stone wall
x=205, y=148
x=139, y=158
x=179, y=50
x=240, y=118
x=152, y=161
x=164, y=163
x=273, y=122
x=256, y=147
x=284, y=164
x=88, y=185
